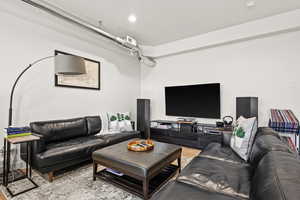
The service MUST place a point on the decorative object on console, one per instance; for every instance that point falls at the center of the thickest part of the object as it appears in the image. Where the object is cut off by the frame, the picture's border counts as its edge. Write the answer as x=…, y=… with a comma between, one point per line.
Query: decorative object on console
x=143, y=117
x=119, y=122
x=247, y=107
x=89, y=80
x=227, y=120
x=220, y=124
x=243, y=136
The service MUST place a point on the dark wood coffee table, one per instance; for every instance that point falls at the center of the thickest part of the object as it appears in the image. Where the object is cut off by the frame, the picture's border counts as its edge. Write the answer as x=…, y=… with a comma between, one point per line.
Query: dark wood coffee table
x=143, y=172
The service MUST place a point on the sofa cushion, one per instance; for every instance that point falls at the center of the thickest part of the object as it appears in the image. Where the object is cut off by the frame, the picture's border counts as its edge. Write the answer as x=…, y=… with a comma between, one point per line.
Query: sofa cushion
x=60, y=130
x=219, y=152
x=277, y=177
x=69, y=150
x=115, y=138
x=94, y=125
x=266, y=131
x=180, y=191
x=217, y=176
x=264, y=144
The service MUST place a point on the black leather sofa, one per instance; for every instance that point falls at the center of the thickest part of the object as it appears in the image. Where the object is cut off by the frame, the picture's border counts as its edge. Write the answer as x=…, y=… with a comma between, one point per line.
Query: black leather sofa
x=272, y=173
x=65, y=143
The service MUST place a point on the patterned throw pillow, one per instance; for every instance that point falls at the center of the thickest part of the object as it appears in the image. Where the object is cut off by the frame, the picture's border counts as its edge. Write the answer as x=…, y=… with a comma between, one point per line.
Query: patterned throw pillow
x=119, y=122
x=243, y=137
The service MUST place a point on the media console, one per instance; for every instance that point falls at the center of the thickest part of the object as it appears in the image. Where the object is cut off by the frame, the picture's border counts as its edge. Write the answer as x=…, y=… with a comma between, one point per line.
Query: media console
x=190, y=134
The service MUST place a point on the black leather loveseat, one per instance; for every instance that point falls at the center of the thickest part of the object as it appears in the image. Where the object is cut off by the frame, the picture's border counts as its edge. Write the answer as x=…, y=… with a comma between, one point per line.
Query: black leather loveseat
x=68, y=142
x=272, y=173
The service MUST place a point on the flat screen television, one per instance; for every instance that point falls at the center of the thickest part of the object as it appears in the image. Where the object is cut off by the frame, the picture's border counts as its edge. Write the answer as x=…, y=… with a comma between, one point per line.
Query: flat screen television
x=202, y=101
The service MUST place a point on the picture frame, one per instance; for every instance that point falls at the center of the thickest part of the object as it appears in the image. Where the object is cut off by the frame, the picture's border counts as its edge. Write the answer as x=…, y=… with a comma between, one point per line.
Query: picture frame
x=90, y=80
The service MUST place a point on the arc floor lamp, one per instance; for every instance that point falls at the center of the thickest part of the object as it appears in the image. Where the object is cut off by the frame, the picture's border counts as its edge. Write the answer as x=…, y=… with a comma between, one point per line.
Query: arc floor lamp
x=64, y=64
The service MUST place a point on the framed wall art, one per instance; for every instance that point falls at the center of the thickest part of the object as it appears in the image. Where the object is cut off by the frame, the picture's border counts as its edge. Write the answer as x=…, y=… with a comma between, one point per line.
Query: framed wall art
x=90, y=80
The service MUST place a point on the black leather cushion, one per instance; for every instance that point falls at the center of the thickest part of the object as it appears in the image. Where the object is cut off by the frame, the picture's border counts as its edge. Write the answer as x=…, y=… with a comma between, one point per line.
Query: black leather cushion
x=60, y=130
x=226, y=178
x=277, y=177
x=180, y=191
x=218, y=152
x=94, y=124
x=264, y=144
x=115, y=138
x=69, y=150
x=266, y=131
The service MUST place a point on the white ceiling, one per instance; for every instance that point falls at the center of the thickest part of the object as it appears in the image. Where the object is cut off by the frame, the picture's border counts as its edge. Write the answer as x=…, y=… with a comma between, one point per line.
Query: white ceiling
x=162, y=21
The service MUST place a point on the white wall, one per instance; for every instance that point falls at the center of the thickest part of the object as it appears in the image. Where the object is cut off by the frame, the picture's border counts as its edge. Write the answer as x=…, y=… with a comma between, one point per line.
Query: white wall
x=284, y=22
x=266, y=67
x=23, y=41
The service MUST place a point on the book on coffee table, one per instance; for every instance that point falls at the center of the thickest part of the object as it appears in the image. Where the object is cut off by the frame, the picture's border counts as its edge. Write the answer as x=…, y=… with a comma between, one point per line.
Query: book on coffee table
x=114, y=172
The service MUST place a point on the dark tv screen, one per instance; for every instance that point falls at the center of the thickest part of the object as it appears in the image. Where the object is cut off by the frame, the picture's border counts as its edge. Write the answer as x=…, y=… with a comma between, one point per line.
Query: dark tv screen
x=201, y=101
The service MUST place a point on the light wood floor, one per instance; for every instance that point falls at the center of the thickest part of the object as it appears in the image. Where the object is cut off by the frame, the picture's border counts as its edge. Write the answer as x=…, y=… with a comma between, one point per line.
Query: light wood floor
x=186, y=152
x=2, y=197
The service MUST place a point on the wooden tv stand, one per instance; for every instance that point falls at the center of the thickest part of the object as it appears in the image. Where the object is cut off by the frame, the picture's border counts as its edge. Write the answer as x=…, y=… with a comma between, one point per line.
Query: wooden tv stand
x=190, y=134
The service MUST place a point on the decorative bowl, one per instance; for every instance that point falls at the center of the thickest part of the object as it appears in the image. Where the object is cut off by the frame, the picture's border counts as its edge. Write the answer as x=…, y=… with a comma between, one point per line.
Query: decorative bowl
x=140, y=145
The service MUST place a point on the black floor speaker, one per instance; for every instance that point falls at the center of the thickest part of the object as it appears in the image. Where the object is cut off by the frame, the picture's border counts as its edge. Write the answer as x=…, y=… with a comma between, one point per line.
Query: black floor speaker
x=143, y=117
x=247, y=107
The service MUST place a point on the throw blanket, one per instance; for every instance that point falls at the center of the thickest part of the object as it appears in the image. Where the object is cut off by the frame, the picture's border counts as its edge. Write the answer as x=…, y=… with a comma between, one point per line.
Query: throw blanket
x=283, y=121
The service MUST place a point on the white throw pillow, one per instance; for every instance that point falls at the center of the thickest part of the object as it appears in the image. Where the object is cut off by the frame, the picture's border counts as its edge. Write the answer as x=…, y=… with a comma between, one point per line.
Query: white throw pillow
x=243, y=136
x=113, y=124
x=119, y=122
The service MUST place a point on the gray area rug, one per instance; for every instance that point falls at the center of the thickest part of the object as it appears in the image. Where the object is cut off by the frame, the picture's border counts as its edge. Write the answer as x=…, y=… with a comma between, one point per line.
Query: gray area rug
x=73, y=185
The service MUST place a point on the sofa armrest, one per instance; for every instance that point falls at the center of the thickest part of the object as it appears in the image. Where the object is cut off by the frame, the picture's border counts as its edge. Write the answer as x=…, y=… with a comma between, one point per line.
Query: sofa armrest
x=37, y=146
x=226, y=137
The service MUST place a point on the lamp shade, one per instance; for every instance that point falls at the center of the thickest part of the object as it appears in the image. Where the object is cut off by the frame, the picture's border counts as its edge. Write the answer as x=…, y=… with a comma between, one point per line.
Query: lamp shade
x=69, y=65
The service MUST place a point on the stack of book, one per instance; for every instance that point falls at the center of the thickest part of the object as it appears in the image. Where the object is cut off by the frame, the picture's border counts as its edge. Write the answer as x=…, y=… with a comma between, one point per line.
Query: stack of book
x=12, y=132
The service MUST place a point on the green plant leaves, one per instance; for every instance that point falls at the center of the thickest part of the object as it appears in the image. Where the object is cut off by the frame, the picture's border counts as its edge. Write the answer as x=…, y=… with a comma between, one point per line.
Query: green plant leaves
x=240, y=132
x=113, y=118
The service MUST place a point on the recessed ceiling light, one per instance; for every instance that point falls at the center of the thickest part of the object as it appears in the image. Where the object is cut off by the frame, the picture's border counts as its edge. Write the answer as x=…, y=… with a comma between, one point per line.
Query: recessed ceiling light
x=132, y=18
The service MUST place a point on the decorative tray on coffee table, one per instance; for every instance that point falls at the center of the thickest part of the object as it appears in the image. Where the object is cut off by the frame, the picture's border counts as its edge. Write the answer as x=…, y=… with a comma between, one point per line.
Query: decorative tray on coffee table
x=140, y=145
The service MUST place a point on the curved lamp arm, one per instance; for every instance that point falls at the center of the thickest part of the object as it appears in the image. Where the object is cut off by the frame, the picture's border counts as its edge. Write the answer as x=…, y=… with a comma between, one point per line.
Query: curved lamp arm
x=15, y=84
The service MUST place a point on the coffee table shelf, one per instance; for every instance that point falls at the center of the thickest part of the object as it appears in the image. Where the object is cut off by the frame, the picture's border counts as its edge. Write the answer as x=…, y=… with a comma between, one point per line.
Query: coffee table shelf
x=135, y=186
x=143, y=172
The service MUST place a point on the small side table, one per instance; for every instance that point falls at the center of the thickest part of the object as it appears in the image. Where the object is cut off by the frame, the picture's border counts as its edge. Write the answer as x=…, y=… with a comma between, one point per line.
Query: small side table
x=6, y=162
